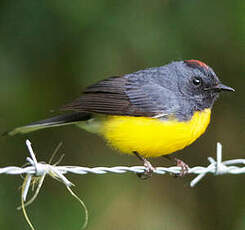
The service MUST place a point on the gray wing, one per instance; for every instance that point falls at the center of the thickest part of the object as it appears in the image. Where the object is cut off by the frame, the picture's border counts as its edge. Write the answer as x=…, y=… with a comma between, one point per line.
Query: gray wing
x=129, y=95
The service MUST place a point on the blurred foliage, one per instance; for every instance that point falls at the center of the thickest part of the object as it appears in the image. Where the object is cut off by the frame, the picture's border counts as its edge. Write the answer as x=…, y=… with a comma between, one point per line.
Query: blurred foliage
x=51, y=50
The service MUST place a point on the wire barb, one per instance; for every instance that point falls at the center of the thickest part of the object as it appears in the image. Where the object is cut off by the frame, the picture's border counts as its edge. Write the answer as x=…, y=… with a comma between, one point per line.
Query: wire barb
x=35, y=168
x=36, y=171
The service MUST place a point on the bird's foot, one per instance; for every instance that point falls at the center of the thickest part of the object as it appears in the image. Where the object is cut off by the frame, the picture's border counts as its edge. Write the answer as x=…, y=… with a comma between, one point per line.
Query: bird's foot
x=149, y=169
x=184, y=167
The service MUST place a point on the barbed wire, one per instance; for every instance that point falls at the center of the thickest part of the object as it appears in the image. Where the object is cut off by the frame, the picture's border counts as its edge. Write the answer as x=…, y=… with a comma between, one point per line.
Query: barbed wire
x=35, y=173
x=35, y=168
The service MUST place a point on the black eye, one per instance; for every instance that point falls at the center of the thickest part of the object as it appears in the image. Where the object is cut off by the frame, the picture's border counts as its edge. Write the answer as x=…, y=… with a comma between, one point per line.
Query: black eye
x=197, y=81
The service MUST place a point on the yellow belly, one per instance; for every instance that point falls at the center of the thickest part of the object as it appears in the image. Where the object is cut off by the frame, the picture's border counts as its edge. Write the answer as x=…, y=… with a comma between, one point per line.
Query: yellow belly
x=152, y=137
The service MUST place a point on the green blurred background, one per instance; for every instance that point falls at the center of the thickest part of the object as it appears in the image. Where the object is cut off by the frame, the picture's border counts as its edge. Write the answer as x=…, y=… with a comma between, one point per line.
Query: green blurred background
x=51, y=50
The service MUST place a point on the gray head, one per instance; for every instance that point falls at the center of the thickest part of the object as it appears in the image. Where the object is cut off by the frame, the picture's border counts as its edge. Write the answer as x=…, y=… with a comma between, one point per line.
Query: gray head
x=179, y=88
x=198, y=83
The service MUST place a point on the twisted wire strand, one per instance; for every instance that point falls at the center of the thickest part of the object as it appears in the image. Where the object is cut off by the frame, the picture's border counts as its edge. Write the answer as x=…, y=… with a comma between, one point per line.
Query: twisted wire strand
x=35, y=173
x=35, y=168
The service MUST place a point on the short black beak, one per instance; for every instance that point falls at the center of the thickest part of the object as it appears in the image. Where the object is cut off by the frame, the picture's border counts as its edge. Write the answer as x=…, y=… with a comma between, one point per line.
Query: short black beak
x=222, y=87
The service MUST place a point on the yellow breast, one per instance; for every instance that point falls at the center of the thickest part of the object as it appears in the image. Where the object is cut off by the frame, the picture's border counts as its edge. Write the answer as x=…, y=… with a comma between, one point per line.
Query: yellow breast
x=152, y=137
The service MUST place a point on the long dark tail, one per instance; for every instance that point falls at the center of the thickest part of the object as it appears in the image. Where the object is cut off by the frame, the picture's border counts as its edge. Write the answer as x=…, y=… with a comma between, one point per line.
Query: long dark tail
x=60, y=120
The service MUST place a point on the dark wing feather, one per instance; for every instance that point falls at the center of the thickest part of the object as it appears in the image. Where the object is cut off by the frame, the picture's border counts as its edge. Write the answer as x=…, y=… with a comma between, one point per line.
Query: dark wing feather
x=111, y=96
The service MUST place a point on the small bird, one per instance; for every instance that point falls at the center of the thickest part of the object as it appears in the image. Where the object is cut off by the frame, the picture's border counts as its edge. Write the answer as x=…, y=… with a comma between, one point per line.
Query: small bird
x=149, y=113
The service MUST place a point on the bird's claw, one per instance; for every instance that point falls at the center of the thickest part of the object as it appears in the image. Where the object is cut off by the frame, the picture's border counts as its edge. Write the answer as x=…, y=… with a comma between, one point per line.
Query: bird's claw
x=184, y=167
x=149, y=169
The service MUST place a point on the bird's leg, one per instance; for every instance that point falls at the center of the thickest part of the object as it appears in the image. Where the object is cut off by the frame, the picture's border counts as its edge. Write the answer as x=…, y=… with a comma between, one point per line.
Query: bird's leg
x=184, y=167
x=149, y=169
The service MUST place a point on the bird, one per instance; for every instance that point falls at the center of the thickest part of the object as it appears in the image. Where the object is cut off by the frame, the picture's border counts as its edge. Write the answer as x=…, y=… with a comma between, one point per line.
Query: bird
x=149, y=113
